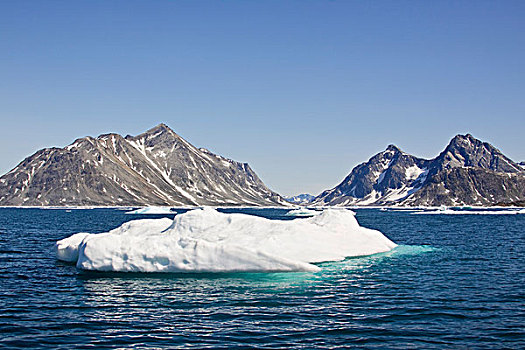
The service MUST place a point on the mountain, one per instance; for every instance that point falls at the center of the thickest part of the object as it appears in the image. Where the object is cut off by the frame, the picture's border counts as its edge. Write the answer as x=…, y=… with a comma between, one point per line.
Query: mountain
x=467, y=172
x=304, y=198
x=157, y=167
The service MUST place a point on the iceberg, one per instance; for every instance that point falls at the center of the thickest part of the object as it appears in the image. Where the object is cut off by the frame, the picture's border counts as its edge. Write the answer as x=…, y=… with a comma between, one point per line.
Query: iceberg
x=152, y=210
x=302, y=212
x=205, y=240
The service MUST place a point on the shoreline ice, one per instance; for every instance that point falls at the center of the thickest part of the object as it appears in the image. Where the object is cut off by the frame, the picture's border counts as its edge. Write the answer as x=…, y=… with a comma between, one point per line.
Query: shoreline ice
x=205, y=240
x=471, y=212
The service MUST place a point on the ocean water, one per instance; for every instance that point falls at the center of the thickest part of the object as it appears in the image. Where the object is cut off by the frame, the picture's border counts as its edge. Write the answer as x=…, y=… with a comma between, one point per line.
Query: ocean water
x=455, y=281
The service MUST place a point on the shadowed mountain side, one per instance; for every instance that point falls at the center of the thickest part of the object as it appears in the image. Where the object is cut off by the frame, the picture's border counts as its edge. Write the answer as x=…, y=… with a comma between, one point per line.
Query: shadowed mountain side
x=467, y=172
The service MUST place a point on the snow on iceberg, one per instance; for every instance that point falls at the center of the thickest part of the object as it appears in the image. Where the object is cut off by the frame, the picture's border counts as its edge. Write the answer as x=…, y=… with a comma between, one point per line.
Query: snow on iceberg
x=152, y=210
x=302, y=212
x=205, y=240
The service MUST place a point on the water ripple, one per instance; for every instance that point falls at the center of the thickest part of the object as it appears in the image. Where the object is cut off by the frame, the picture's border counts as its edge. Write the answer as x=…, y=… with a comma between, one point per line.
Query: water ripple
x=454, y=282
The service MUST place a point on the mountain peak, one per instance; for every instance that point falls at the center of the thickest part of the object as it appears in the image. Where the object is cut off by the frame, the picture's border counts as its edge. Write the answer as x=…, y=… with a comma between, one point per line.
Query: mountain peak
x=468, y=144
x=467, y=151
x=467, y=138
x=392, y=148
x=160, y=127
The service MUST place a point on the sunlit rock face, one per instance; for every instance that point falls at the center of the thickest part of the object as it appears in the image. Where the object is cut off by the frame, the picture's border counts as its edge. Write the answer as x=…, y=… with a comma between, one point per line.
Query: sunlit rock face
x=157, y=167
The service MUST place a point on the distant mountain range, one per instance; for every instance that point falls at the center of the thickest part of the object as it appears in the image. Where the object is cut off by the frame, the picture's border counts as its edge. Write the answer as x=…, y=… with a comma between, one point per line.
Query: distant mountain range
x=304, y=198
x=467, y=172
x=157, y=167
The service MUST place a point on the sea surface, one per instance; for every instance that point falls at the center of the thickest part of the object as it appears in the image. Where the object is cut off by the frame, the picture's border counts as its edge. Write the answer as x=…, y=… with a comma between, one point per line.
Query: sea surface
x=455, y=281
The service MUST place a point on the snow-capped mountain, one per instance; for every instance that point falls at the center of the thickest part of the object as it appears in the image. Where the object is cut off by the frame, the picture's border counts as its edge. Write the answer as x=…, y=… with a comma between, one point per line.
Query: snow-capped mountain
x=467, y=172
x=157, y=167
x=303, y=198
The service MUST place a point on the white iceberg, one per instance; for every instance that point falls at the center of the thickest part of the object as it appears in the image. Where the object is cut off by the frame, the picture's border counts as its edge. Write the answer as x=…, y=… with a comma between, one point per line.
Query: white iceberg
x=152, y=210
x=205, y=240
x=302, y=212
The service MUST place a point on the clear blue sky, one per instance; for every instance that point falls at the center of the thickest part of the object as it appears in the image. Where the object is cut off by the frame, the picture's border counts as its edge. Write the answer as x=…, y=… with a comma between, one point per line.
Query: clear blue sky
x=301, y=90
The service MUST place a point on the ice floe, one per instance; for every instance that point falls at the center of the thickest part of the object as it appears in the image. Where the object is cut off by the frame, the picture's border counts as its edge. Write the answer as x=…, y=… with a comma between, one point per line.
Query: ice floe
x=302, y=212
x=152, y=210
x=205, y=240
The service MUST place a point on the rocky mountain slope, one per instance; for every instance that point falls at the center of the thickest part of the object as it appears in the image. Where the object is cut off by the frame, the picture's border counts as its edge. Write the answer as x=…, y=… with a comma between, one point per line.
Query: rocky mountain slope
x=157, y=167
x=467, y=172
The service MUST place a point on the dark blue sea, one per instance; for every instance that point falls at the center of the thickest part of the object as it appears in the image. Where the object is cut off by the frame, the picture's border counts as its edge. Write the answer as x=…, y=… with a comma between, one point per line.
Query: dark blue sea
x=455, y=282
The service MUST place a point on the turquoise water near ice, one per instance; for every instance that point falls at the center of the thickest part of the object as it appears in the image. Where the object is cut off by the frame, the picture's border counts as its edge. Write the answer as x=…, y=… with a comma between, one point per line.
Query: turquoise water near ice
x=455, y=281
